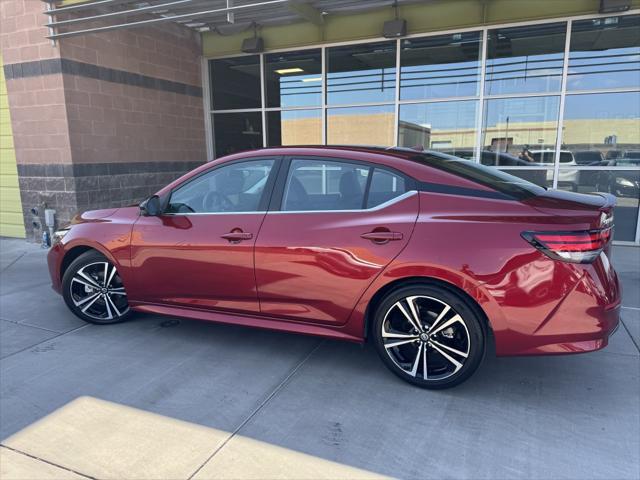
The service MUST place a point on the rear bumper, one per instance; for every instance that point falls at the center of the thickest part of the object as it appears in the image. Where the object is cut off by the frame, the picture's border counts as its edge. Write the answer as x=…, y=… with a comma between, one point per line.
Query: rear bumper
x=575, y=313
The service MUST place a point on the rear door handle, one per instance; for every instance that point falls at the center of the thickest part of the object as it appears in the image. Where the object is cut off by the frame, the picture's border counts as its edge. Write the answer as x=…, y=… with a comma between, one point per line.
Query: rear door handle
x=382, y=237
x=237, y=236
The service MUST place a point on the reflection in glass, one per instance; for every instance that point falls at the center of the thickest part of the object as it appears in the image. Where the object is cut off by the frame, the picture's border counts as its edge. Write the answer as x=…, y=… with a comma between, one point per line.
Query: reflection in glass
x=446, y=126
x=325, y=185
x=439, y=67
x=522, y=127
x=294, y=127
x=361, y=125
x=293, y=79
x=361, y=73
x=605, y=53
x=603, y=129
x=235, y=83
x=541, y=177
x=235, y=132
x=624, y=184
x=525, y=59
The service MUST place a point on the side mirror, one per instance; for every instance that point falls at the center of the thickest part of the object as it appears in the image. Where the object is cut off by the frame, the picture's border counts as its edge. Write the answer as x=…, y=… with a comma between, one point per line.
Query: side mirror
x=151, y=207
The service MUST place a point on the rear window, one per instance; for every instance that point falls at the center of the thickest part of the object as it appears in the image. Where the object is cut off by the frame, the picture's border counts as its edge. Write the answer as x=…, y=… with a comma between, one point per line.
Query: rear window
x=489, y=177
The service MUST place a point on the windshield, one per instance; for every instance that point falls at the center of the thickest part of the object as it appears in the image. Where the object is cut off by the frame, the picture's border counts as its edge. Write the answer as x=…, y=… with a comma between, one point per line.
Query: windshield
x=490, y=177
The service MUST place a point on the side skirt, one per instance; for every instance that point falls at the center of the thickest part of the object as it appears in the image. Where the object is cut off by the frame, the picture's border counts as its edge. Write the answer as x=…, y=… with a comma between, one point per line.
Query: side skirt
x=246, y=320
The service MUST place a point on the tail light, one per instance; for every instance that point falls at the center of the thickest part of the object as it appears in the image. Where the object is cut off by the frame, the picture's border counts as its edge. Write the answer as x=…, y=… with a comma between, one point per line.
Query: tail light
x=582, y=246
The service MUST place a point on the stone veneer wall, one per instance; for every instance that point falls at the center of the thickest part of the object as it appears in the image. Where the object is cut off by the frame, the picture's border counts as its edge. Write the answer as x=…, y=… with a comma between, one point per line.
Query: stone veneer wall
x=100, y=120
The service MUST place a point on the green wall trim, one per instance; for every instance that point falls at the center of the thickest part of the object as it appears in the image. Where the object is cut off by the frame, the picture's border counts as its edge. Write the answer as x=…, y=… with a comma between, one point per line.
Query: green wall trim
x=436, y=15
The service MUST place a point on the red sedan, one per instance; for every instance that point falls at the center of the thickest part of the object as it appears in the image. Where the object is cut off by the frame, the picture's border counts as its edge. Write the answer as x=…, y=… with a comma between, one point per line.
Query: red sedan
x=423, y=254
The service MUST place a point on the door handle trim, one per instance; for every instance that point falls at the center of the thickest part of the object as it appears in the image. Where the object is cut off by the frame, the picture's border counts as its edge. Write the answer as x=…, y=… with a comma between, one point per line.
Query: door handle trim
x=382, y=237
x=237, y=236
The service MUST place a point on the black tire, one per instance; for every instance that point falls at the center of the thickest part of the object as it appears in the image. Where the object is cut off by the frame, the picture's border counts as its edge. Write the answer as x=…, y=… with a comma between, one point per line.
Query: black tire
x=85, y=293
x=429, y=301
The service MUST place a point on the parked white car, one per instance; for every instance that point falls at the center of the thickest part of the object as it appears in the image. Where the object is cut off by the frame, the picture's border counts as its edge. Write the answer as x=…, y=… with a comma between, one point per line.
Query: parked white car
x=568, y=178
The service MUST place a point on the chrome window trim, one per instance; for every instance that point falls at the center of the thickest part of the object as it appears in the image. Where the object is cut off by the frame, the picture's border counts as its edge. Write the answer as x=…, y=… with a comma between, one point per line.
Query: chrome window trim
x=386, y=204
x=211, y=213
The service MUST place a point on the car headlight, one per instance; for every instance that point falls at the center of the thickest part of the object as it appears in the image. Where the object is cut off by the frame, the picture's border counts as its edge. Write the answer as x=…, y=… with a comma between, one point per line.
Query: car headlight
x=58, y=235
x=624, y=182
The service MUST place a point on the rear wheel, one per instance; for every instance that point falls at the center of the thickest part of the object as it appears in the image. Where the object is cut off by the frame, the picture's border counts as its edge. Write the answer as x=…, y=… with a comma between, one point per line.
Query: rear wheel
x=93, y=290
x=428, y=336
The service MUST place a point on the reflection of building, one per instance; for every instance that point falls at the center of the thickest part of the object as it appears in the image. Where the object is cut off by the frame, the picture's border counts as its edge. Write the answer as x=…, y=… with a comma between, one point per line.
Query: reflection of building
x=101, y=119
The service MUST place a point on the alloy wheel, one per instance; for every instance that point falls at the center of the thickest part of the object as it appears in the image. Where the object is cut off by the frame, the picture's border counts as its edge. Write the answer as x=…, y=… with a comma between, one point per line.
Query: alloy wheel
x=97, y=291
x=425, y=337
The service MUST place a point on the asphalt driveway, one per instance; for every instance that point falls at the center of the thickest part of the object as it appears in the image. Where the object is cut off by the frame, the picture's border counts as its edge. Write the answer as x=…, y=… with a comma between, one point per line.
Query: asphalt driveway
x=258, y=404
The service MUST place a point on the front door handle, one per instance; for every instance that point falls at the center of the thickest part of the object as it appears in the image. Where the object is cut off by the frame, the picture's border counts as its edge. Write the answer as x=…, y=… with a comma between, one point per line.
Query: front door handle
x=236, y=236
x=382, y=236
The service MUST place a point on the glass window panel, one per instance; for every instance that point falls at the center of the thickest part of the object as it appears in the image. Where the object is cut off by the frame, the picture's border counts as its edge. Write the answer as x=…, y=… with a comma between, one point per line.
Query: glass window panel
x=324, y=185
x=524, y=128
x=525, y=59
x=361, y=125
x=384, y=187
x=624, y=184
x=439, y=67
x=446, y=126
x=605, y=53
x=235, y=83
x=233, y=188
x=361, y=73
x=294, y=127
x=541, y=177
x=603, y=129
x=235, y=132
x=293, y=79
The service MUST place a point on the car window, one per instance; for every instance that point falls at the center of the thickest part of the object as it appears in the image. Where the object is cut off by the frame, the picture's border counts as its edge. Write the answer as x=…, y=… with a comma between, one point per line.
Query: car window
x=314, y=185
x=385, y=186
x=232, y=188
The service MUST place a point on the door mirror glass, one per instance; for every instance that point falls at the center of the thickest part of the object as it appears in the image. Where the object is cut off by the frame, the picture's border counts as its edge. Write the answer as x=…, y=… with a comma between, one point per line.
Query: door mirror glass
x=151, y=207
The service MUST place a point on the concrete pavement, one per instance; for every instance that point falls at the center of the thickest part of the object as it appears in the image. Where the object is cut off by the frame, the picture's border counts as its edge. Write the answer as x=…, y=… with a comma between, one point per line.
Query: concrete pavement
x=259, y=404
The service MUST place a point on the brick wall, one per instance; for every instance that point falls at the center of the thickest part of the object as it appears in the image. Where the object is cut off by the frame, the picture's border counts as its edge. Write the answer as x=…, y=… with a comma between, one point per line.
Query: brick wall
x=99, y=120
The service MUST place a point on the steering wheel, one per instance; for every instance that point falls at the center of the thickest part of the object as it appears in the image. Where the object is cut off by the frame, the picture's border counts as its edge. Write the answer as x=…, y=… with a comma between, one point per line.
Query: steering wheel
x=214, y=201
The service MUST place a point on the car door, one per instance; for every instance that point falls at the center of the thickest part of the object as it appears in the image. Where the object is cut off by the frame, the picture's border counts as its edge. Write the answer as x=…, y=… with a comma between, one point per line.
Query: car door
x=332, y=227
x=199, y=253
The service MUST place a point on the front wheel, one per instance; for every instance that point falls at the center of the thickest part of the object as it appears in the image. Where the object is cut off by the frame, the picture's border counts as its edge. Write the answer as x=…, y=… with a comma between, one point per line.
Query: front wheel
x=93, y=290
x=428, y=336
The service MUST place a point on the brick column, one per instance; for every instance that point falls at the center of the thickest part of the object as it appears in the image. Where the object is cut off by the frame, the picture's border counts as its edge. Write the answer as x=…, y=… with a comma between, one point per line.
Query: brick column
x=100, y=120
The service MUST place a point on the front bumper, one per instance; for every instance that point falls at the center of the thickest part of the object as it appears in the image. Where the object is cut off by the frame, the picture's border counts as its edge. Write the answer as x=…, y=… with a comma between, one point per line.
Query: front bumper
x=54, y=262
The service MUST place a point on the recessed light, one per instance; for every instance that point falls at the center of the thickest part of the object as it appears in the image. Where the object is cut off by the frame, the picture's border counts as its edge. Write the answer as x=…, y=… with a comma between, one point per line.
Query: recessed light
x=314, y=79
x=284, y=71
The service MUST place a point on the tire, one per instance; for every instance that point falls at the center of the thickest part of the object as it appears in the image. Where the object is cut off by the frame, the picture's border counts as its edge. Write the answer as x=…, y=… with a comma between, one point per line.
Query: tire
x=85, y=293
x=401, y=345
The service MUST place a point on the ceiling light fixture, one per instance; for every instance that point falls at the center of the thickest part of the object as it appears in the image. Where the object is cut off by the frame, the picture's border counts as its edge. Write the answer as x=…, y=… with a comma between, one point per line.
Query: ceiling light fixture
x=285, y=71
x=313, y=79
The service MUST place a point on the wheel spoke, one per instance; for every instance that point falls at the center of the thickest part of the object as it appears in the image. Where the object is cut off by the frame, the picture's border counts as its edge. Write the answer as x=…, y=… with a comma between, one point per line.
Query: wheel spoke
x=440, y=317
x=86, y=284
x=118, y=292
x=412, y=321
x=95, y=297
x=106, y=272
x=111, y=275
x=396, y=344
x=86, y=299
x=88, y=278
x=416, y=362
x=113, y=305
x=452, y=350
x=452, y=360
x=451, y=321
x=425, y=372
x=109, y=313
x=386, y=334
